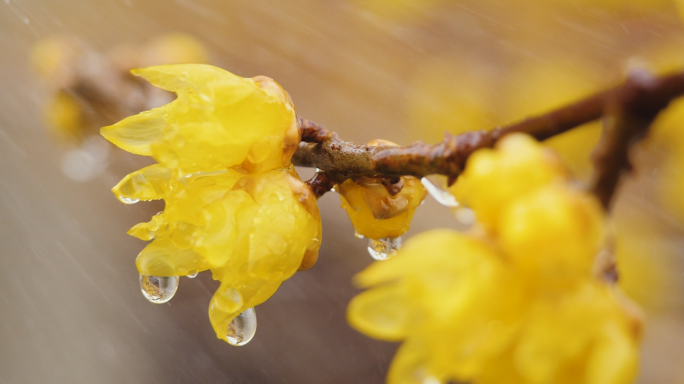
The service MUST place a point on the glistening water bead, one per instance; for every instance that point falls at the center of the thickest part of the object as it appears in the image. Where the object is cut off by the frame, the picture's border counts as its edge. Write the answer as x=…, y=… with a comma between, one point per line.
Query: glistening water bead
x=158, y=289
x=243, y=327
x=385, y=248
x=127, y=200
x=437, y=187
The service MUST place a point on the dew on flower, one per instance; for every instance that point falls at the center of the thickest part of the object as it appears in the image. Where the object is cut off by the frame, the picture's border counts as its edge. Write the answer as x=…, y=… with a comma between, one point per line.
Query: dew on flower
x=192, y=275
x=158, y=289
x=242, y=329
x=383, y=249
x=438, y=188
x=127, y=200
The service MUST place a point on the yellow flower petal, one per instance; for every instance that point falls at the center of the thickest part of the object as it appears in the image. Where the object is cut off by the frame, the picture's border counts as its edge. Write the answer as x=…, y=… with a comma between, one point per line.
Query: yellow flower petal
x=149, y=183
x=148, y=231
x=409, y=365
x=382, y=313
x=185, y=77
x=163, y=258
x=615, y=358
x=233, y=297
x=374, y=212
x=136, y=134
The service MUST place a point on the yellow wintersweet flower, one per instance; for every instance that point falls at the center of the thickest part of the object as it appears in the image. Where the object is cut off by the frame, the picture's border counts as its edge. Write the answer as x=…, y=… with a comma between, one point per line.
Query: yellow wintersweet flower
x=373, y=210
x=64, y=116
x=514, y=303
x=464, y=315
x=219, y=120
x=552, y=234
x=234, y=203
x=252, y=230
x=493, y=177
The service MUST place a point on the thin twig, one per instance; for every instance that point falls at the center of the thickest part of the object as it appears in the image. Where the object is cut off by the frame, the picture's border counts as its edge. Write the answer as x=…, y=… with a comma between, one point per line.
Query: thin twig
x=627, y=119
x=640, y=97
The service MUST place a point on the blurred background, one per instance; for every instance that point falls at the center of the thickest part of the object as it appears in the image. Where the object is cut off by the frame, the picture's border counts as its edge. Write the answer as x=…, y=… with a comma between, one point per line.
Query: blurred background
x=71, y=310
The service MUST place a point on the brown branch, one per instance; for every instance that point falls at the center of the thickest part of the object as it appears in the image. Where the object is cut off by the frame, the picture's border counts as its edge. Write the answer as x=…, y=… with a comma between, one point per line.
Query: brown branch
x=627, y=119
x=314, y=133
x=320, y=184
x=639, y=98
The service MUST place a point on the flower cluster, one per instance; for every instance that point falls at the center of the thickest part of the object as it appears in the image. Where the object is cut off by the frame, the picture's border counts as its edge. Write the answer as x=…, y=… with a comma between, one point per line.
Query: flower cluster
x=513, y=301
x=234, y=203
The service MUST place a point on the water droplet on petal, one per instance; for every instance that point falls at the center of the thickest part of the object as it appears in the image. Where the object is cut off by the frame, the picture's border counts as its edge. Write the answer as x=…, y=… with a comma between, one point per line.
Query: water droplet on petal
x=192, y=274
x=437, y=187
x=358, y=235
x=127, y=200
x=158, y=289
x=243, y=327
x=385, y=248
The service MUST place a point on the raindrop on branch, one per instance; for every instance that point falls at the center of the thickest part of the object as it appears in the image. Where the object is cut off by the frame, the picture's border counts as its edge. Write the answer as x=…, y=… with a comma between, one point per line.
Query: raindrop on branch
x=384, y=248
x=437, y=187
x=158, y=289
x=243, y=327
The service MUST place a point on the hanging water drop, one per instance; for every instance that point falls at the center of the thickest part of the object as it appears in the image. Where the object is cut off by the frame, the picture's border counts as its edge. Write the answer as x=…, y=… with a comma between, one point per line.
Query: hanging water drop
x=192, y=274
x=385, y=248
x=242, y=329
x=127, y=200
x=437, y=187
x=158, y=289
x=358, y=235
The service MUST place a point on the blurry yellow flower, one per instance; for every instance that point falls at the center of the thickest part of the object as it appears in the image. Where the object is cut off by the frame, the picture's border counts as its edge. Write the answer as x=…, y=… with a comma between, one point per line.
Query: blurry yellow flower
x=373, y=210
x=63, y=115
x=552, y=234
x=494, y=177
x=464, y=315
x=55, y=59
x=219, y=120
x=516, y=302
